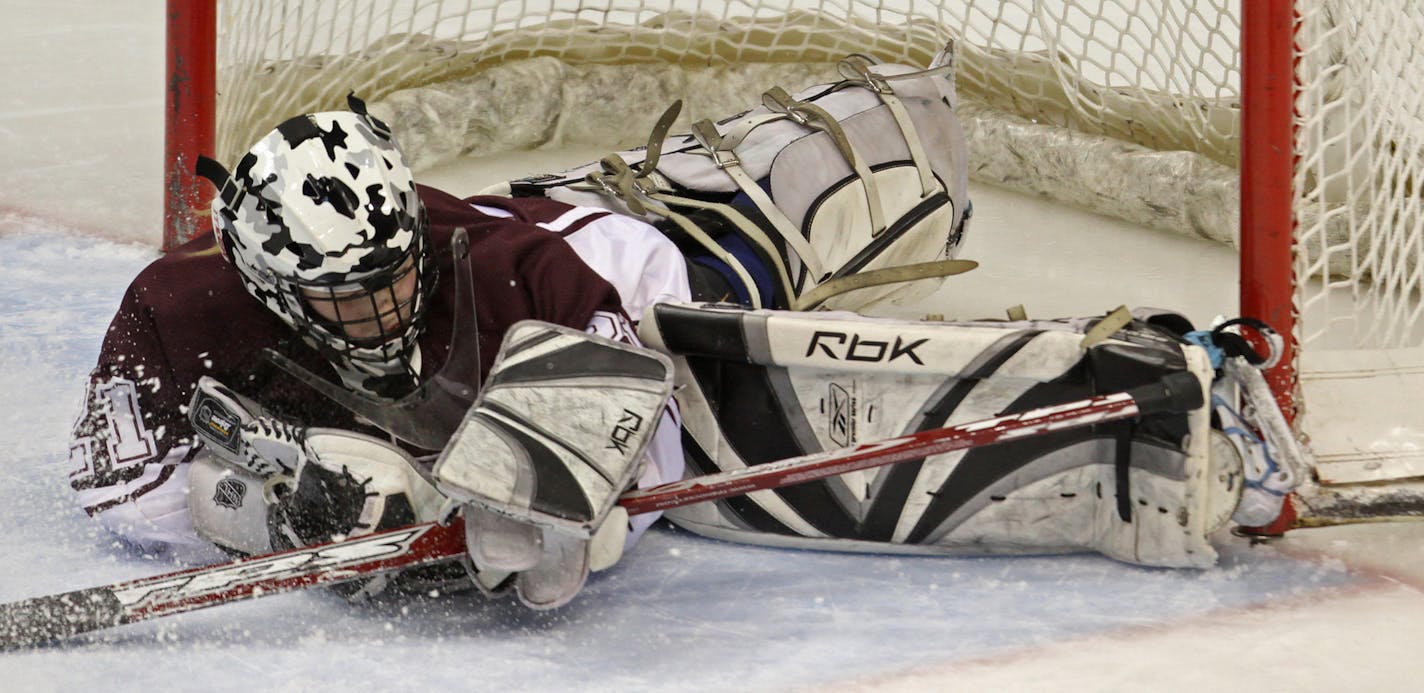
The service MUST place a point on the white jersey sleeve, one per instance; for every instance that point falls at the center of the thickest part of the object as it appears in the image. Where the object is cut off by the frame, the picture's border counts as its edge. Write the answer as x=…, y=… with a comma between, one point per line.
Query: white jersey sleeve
x=150, y=511
x=637, y=259
x=665, y=461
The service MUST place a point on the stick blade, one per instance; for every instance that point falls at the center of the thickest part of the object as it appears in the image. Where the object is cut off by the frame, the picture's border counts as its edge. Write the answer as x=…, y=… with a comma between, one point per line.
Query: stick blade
x=42, y=619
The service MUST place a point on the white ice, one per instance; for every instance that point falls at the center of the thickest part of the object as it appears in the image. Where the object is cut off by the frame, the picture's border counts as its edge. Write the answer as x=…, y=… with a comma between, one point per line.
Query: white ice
x=80, y=129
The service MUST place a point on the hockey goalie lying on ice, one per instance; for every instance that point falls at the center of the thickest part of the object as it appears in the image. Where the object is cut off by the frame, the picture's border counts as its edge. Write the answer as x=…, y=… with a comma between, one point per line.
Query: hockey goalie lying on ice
x=291, y=378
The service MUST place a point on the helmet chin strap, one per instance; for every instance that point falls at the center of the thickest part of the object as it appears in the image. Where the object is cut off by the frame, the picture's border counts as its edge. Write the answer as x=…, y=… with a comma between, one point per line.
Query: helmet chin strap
x=428, y=416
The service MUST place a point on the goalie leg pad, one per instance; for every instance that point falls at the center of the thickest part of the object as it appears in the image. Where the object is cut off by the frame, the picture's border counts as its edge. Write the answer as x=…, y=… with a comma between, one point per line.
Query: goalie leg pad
x=838, y=180
x=1077, y=508
x=759, y=386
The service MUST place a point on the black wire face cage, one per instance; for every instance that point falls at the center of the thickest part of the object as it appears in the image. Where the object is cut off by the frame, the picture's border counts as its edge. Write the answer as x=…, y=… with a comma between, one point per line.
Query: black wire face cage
x=376, y=318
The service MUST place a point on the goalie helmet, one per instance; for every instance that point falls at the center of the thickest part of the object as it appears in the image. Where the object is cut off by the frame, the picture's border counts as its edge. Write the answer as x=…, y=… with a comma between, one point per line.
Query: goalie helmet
x=322, y=220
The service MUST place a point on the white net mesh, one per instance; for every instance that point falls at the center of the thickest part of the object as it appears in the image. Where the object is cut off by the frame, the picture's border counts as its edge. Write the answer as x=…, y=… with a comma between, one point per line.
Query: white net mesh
x=1360, y=164
x=1129, y=107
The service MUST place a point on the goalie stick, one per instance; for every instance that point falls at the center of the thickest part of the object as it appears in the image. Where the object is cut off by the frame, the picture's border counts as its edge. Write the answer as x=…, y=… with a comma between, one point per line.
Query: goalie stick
x=41, y=619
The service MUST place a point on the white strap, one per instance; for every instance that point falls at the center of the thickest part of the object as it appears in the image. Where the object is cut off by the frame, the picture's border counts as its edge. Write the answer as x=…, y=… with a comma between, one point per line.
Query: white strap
x=889, y=275
x=1107, y=327
x=619, y=181
x=810, y=115
x=750, y=230
x=742, y=128
x=856, y=70
x=726, y=159
x=712, y=247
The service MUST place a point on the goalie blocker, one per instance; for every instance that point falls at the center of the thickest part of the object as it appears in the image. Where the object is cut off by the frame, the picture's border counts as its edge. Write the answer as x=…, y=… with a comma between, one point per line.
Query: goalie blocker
x=756, y=386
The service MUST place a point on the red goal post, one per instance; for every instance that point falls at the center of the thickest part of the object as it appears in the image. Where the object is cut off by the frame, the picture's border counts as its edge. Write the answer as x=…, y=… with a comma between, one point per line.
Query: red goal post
x=1267, y=249
x=1301, y=147
x=189, y=109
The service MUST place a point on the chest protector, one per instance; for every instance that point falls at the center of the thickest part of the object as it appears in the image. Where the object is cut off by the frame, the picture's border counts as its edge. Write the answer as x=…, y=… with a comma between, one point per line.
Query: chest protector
x=860, y=183
x=756, y=386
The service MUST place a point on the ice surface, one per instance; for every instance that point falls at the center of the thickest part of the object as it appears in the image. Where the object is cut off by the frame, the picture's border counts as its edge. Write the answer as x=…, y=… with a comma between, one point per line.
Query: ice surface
x=680, y=611
x=1321, y=610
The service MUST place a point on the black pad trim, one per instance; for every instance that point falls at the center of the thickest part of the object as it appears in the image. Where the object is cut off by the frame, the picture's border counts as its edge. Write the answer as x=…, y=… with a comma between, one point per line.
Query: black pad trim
x=884, y=513
x=717, y=334
x=580, y=360
x=556, y=491
x=742, y=508
x=745, y=388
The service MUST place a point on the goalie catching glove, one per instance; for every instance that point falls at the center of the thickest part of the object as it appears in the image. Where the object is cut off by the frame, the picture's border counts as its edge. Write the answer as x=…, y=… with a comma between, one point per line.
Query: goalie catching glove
x=262, y=485
x=352, y=485
x=557, y=434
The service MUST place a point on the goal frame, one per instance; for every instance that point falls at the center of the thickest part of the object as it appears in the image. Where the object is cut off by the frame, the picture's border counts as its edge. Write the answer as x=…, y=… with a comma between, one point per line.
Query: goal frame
x=1267, y=221
x=189, y=109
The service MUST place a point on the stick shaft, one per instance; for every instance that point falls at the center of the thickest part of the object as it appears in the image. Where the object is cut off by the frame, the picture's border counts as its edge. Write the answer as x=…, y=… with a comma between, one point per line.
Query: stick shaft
x=879, y=453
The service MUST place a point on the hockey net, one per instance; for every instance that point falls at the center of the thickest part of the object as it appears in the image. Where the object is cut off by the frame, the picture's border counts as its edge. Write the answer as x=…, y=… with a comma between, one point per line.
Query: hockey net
x=1131, y=108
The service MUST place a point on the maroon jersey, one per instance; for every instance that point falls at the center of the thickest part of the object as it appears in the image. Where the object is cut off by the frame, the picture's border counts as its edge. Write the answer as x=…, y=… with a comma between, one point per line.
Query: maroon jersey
x=187, y=315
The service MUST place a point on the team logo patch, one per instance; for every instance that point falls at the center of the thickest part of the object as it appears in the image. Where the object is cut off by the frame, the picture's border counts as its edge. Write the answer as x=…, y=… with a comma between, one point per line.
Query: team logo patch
x=229, y=493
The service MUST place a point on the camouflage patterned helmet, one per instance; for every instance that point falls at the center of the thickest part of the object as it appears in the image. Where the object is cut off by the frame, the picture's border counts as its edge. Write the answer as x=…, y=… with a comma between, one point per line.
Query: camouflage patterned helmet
x=322, y=220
